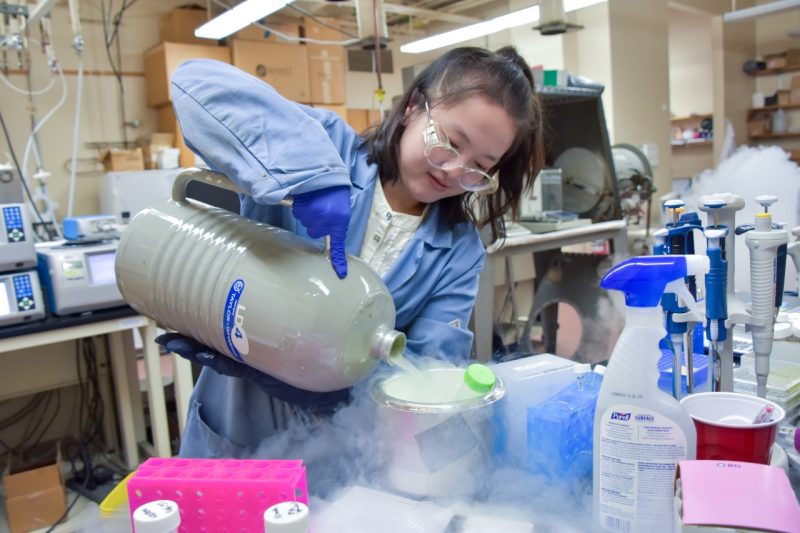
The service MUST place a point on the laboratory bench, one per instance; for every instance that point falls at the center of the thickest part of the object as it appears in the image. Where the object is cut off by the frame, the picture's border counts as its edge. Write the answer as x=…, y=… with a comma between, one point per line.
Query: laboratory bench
x=541, y=245
x=117, y=325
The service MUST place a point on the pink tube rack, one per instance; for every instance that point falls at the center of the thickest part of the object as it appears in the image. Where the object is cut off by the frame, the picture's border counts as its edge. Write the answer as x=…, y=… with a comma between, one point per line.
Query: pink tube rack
x=219, y=495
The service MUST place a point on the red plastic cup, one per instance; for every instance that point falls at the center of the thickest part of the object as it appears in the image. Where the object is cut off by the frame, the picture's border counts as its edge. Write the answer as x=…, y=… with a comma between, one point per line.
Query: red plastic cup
x=725, y=429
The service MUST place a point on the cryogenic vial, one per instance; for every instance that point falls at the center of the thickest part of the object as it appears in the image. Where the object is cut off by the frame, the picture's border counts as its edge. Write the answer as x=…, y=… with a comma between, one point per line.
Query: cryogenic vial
x=159, y=516
x=286, y=517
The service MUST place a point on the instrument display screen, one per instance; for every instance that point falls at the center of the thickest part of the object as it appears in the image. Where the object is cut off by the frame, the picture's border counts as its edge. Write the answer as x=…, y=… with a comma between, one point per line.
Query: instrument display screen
x=72, y=269
x=101, y=268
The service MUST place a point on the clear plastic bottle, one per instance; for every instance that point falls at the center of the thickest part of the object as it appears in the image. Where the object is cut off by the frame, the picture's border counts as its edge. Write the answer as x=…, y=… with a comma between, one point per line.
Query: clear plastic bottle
x=641, y=432
x=258, y=294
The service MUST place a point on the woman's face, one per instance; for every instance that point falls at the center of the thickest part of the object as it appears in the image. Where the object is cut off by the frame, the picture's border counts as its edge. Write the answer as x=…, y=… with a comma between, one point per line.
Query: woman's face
x=478, y=129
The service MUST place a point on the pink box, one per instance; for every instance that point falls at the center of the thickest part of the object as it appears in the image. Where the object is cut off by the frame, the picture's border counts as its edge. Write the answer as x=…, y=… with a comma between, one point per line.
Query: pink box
x=219, y=494
x=730, y=494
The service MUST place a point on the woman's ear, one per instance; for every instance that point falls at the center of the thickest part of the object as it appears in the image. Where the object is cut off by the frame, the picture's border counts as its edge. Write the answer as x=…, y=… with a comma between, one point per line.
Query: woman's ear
x=413, y=103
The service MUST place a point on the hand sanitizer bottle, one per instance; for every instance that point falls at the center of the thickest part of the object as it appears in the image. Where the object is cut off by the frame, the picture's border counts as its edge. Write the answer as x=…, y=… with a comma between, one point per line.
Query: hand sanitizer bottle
x=640, y=431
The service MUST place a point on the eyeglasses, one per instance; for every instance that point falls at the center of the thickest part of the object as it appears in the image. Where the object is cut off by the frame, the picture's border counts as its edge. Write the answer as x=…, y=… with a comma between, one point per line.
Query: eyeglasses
x=442, y=155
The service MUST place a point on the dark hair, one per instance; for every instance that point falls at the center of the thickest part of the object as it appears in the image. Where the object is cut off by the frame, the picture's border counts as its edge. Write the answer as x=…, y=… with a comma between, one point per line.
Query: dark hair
x=503, y=78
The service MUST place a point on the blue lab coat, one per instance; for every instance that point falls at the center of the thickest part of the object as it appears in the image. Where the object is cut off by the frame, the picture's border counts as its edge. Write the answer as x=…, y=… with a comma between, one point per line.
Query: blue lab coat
x=273, y=148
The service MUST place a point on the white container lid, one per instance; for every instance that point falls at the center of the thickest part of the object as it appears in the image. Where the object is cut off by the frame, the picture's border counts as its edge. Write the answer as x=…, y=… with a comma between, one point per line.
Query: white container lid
x=286, y=517
x=159, y=516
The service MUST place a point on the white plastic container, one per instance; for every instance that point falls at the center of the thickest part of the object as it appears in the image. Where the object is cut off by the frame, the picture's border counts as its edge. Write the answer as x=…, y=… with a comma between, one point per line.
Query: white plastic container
x=258, y=294
x=437, y=442
x=640, y=432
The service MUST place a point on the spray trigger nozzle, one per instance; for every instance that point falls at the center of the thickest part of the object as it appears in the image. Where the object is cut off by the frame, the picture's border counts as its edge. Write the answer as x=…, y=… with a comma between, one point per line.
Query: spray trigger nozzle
x=679, y=288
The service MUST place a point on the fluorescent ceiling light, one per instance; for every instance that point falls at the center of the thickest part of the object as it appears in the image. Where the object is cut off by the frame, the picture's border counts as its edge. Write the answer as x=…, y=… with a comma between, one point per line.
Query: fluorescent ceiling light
x=522, y=17
x=237, y=18
x=760, y=10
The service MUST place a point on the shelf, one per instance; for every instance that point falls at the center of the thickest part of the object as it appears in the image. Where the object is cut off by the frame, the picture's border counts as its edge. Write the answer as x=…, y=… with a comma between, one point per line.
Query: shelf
x=771, y=108
x=690, y=118
x=701, y=142
x=771, y=136
x=773, y=71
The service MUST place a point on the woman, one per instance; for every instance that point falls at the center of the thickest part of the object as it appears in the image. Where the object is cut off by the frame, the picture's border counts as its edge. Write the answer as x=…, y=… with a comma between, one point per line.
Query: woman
x=454, y=155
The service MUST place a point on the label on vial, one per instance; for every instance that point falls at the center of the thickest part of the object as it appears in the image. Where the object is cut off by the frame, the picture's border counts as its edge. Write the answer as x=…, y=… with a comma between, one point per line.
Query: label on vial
x=639, y=450
x=233, y=322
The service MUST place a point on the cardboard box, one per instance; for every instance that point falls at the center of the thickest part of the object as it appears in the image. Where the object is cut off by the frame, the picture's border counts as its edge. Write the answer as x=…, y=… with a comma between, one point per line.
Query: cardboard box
x=326, y=63
x=285, y=26
x=775, y=60
x=34, y=495
x=120, y=160
x=178, y=26
x=326, y=75
x=314, y=29
x=784, y=97
x=723, y=495
x=156, y=143
x=793, y=57
x=284, y=66
x=162, y=60
x=362, y=119
x=757, y=126
x=168, y=122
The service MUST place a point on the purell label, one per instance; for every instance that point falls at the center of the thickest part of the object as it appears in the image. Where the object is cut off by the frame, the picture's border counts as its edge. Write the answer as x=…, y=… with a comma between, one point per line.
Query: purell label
x=638, y=452
x=233, y=322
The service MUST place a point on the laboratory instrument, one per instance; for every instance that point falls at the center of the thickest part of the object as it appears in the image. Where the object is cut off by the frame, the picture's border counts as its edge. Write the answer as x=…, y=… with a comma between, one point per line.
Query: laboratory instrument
x=546, y=195
x=724, y=215
x=793, y=251
x=578, y=144
x=79, y=277
x=89, y=228
x=123, y=194
x=716, y=285
x=16, y=238
x=261, y=295
x=767, y=246
x=20, y=298
x=634, y=183
x=640, y=432
x=10, y=185
x=680, y=322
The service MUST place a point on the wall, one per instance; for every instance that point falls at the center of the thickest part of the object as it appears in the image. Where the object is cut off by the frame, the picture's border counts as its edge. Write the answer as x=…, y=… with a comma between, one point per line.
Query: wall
x=690, y=84
x=99, y=118
x=689, y=60
x=732, y=45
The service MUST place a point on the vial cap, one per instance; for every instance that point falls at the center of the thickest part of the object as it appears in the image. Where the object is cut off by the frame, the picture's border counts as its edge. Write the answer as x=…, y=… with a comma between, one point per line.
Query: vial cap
x=479, y=378
x=158, y=516
x=286, y=517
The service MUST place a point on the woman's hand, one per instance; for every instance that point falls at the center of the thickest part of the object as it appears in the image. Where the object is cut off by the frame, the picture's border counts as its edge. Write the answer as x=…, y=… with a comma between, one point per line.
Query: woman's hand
x=326, y=212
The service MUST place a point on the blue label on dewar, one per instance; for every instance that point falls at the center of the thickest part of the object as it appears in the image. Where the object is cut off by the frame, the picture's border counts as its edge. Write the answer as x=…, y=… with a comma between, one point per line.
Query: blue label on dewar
x=233, y=322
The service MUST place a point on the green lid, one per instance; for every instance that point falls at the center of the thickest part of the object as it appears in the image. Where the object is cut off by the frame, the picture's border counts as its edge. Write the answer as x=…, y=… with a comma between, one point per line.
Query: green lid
x=479, y=378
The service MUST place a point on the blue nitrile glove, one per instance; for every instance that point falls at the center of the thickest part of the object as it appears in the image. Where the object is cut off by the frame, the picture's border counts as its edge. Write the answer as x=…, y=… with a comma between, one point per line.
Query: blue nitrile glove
x=326, y=212
x=317, y=402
